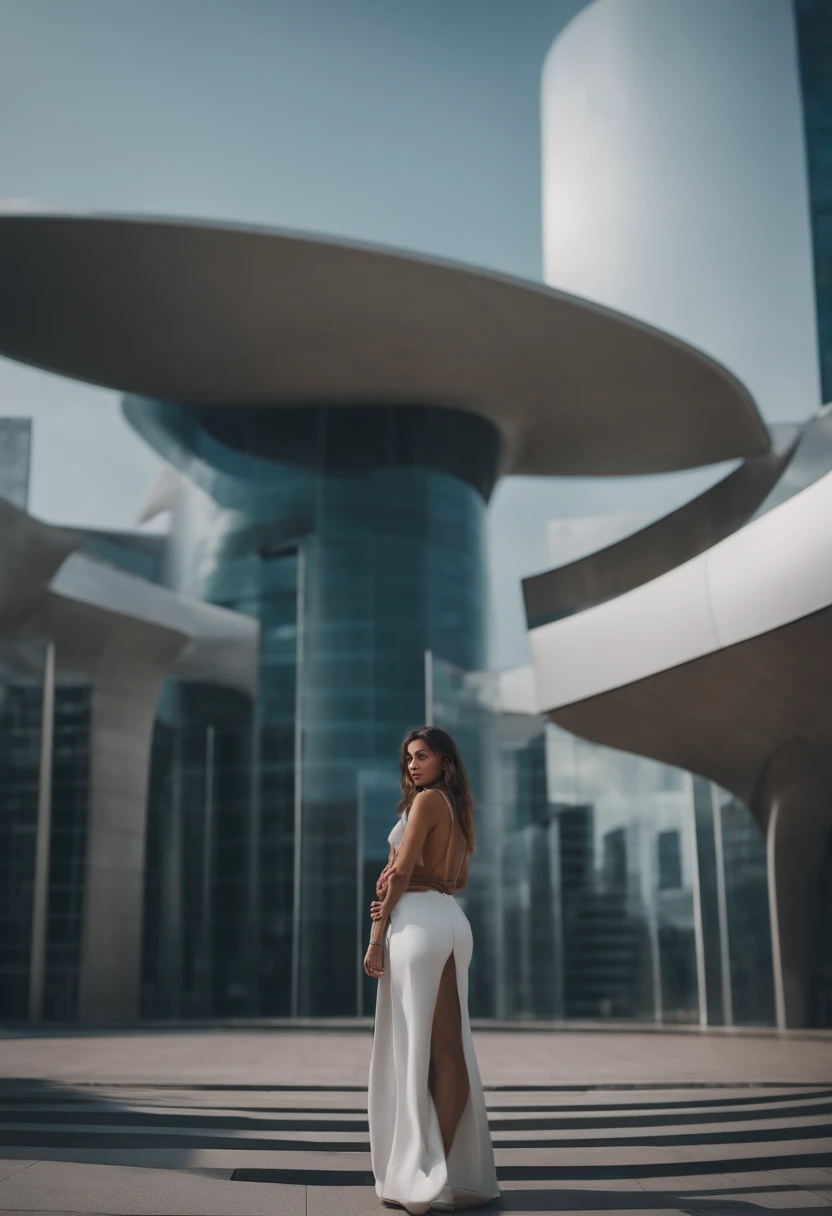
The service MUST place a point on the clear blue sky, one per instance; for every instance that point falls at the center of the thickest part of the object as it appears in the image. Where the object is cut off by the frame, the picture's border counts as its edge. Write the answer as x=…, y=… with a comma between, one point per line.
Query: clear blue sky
x=413, y=124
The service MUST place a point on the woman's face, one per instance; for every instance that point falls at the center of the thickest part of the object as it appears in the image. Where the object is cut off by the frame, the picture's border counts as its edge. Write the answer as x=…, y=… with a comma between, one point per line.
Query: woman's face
x=424, y=765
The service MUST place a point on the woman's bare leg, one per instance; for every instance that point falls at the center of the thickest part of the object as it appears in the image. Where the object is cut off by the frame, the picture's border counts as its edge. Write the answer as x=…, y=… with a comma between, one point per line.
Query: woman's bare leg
x=448, y=1074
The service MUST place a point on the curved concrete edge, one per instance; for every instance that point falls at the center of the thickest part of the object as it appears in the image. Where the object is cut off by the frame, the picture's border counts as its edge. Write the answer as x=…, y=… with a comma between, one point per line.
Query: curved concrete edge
x=663, y=544
x=31, y=553
x=264, y=317
x=220, y=646
x=775, y=570
x=40, y=567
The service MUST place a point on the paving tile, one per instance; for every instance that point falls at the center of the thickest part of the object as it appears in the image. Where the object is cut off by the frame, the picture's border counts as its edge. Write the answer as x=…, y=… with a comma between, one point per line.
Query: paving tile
x=346, y=1201
x=548, y=1207
x=149, y=1158
x=810, y=1177
x=213, y=1158
x=180, y=1176
x=578, y=1199
x=9, y=1166
x=724, y=1154
x=699, y=1183
x=631, y=1155
x=127, y=1191
x=789, y=1200
x=285, y=1055
x=797, y=1210
x=759, y=1179
x=13, y=1153
x=613, y=1185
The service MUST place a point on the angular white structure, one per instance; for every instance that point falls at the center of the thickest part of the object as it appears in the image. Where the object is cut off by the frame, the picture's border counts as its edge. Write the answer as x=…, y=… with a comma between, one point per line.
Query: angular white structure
x=120, y=636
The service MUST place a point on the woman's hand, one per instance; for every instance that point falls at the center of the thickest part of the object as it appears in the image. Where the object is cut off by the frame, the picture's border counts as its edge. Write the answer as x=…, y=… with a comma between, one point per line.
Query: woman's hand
x=373, y=962
x=383, y=879
x=375, y=910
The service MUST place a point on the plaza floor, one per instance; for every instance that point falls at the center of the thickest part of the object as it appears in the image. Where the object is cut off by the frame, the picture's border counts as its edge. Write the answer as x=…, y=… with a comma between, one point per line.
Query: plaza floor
x=272, y=1121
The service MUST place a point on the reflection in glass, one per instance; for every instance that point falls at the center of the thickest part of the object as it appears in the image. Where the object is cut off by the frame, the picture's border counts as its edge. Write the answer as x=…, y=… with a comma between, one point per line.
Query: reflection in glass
x=21, y=700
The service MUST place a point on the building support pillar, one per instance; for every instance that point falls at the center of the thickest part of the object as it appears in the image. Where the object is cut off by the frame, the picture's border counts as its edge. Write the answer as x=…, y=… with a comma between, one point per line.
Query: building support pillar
x=127, y=681
x=794, y=804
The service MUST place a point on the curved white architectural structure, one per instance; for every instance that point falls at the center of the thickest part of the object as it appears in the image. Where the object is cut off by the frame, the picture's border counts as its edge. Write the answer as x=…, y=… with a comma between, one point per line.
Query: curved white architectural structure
x=221, y=315
x=774, y=571
x=122, y=636
x=674, y=188
x=721, y=666
x=674, y=182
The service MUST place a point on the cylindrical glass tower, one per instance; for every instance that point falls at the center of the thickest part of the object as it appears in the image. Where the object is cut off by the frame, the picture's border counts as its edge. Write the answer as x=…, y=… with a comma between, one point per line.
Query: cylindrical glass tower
x=355, y=535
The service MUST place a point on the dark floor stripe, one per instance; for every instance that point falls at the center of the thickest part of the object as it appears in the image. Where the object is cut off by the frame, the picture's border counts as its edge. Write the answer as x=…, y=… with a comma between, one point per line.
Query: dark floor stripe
x=542, y=1173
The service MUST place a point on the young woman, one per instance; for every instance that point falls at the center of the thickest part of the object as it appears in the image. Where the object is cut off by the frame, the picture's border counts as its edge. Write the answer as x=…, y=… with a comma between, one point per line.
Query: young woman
x=429, y=1139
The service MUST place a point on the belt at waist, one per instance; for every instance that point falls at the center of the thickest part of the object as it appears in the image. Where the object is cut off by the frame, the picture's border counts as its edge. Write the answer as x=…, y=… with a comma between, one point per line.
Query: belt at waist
x=426, y=882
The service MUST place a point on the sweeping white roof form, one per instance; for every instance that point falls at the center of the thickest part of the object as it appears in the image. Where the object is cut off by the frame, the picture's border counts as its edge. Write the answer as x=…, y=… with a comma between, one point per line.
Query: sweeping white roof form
x=204, y=314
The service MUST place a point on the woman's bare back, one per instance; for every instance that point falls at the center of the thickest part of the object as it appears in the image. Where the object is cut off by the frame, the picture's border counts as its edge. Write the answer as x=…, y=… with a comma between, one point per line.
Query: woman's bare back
x=445, y=849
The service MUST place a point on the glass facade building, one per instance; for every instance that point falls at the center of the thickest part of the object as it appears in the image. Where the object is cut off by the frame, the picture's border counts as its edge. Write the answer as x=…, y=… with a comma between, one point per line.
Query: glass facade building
x=631, y=890
x=355, y=536
x=21, y=714
x=23, y=767
x=604, y=886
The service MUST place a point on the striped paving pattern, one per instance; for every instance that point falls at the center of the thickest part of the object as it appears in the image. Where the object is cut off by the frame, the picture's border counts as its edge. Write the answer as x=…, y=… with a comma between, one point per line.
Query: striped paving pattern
x=178, y=1150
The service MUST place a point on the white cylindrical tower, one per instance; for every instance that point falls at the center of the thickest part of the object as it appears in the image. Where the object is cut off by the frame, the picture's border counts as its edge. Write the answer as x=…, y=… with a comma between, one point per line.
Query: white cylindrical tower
x=674, y=181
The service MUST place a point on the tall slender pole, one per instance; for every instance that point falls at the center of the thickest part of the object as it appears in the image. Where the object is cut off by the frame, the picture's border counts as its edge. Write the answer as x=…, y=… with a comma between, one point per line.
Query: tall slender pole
x=253, y=941
x=360, y=914
x=173, y=927
x=207, y=935
x=649, y=863
x=774, y=916
x=40, y=892
x=298, y=772
x=722, y=912
x=698, y=933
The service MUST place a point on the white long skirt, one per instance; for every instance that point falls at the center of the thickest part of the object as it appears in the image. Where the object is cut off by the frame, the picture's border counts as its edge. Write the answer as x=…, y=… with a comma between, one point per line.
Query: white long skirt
x=406, y=1148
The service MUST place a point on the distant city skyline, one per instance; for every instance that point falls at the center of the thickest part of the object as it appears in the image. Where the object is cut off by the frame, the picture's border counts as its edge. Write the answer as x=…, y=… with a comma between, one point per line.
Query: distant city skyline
x=417, y=128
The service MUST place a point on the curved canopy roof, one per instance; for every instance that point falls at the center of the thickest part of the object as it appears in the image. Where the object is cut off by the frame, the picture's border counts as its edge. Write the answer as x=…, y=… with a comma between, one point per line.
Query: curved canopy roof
x=215, y=314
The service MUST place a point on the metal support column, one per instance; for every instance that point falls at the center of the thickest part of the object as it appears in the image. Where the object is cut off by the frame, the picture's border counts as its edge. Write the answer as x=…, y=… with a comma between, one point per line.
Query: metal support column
x=40, y=894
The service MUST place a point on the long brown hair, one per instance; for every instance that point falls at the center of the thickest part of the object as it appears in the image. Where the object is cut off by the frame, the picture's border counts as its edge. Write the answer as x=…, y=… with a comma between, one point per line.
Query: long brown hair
x=454, y=778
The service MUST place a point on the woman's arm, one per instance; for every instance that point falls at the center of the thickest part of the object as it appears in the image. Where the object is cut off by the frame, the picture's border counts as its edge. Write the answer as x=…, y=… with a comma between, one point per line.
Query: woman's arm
x=381, y=882
x=422, y=815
